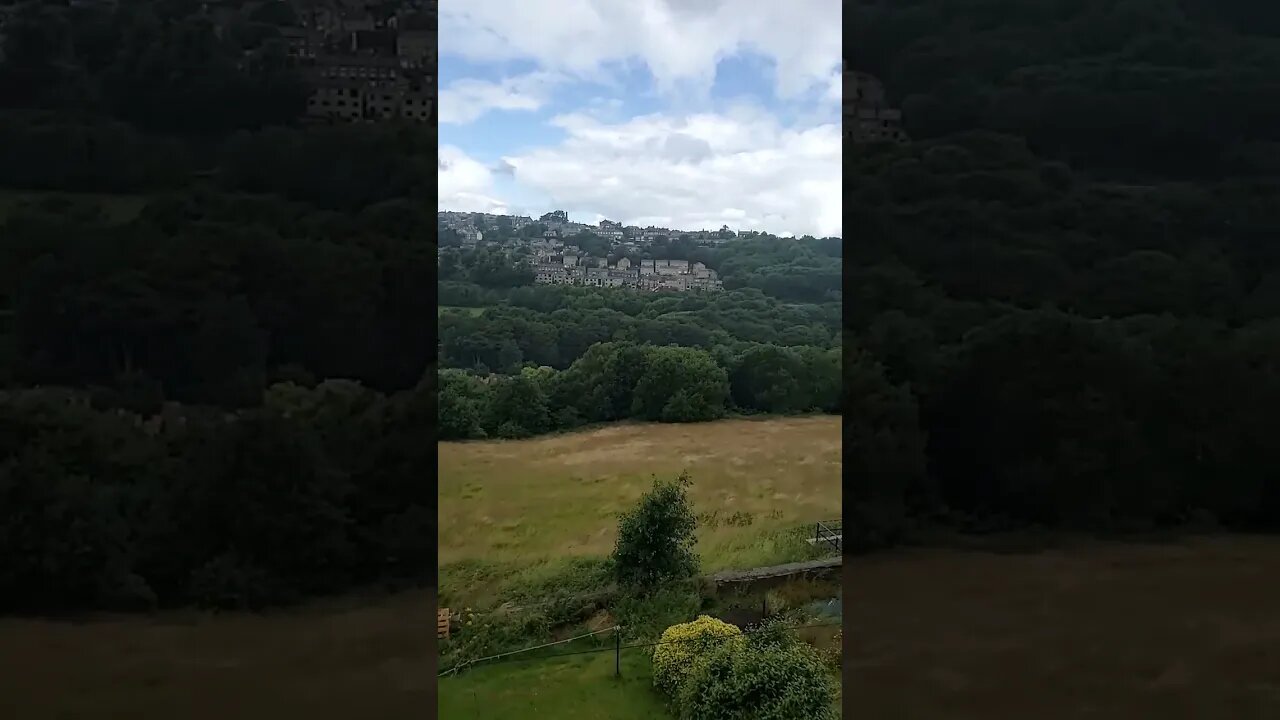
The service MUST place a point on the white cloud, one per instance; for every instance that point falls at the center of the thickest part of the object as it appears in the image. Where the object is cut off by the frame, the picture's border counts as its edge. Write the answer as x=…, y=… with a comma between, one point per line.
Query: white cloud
x=739, y=168
x=465, y=100
x=680, y=41
x=684, y=166
x=465, y=184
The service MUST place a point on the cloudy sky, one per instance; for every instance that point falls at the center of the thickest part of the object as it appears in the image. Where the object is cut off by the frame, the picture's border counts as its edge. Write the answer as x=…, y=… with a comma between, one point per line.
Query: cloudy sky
x=682, y=113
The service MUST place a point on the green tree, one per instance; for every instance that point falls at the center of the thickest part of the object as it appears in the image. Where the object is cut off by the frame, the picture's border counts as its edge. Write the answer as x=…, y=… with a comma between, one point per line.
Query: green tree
x=680, y=385
x=517, y=407
x=463, y=406
x=656, y=537
x=770, y=379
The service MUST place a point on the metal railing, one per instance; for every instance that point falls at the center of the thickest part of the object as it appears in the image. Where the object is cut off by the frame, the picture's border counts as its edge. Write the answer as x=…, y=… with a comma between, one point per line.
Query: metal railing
x=829, y=532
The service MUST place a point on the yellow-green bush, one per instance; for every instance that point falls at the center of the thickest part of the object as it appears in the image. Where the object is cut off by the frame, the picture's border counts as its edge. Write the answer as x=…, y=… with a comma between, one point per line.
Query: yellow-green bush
x=770, y=677
x=682, y=644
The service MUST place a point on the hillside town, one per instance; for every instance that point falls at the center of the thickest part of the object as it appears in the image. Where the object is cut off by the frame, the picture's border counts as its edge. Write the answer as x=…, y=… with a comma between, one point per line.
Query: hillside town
x=623, y=254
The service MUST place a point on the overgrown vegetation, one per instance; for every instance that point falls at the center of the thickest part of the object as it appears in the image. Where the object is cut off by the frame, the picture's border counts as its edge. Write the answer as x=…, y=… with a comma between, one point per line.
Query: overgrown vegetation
x=655, y=539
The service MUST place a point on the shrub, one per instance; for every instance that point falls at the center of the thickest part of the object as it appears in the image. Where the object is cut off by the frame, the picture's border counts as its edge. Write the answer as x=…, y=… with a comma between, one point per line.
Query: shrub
x=681, y=645
x=655, y=539
x=483, y=635
x=646, y=616
x=770, y=677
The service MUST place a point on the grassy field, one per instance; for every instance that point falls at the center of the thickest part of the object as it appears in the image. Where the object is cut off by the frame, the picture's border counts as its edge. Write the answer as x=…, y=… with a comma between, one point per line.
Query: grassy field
x=534, y=513
x=524, y=505
x=1172, y=631
x=354, y=658
x=581, y=687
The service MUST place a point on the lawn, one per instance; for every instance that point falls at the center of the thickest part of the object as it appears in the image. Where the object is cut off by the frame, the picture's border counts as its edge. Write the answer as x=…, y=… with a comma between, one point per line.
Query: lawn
x=359, y=657
x=1174, y=631
x=580, y=687
x=526, y=506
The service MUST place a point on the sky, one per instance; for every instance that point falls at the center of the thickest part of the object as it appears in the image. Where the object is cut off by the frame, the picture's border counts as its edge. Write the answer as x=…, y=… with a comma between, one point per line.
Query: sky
x=687, y=114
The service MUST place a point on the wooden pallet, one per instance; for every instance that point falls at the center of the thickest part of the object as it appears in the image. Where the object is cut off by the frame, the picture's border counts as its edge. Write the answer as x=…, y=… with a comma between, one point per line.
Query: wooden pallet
x=442, y=623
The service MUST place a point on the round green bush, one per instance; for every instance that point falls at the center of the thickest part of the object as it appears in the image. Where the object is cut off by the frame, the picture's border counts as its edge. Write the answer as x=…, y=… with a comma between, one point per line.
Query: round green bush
x=767, y=680
x=681, y=645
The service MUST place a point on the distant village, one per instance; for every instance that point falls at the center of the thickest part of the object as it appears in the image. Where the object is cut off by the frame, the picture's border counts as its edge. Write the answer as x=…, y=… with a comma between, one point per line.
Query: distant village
x=364, y=61
x=556, y=259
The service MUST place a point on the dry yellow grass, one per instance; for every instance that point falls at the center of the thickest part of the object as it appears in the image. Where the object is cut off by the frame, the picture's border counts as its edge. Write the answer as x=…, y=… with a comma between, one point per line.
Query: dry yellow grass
x=527, y=501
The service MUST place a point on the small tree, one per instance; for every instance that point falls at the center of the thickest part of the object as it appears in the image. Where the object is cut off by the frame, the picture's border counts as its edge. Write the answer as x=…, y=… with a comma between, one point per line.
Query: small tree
x=655, y=539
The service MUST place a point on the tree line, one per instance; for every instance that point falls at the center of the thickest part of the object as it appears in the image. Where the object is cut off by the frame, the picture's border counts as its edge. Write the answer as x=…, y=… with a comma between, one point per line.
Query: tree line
x=622, y=380
x=208, y=298
x=554, y=326
x=315, y=491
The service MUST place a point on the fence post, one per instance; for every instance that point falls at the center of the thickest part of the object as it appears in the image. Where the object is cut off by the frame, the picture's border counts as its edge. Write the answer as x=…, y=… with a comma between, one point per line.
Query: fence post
x=617, y=651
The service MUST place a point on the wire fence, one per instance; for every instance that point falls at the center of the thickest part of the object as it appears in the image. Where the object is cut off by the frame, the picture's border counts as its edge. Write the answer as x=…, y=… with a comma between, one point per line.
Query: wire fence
x=616, y=649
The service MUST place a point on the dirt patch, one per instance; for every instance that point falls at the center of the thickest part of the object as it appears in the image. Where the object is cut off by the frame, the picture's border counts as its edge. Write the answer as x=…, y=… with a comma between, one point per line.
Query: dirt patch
x=600, y=621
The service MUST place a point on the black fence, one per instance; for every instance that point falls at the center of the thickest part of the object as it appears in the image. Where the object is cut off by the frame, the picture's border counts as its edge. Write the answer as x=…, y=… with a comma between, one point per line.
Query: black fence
x=830, y=532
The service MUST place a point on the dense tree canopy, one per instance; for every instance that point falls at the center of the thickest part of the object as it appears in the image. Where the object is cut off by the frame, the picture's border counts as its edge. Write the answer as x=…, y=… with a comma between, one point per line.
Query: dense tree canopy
x=1069, y=277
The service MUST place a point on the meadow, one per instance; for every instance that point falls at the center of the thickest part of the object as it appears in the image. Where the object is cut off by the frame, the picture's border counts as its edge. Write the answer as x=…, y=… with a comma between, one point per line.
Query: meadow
x=518, y=509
